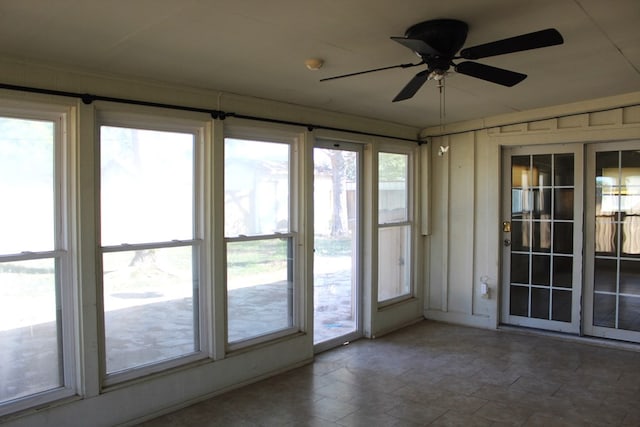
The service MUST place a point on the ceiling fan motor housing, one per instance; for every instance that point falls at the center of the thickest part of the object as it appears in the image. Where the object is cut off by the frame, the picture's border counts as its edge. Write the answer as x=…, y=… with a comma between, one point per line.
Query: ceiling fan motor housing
x=446, y=36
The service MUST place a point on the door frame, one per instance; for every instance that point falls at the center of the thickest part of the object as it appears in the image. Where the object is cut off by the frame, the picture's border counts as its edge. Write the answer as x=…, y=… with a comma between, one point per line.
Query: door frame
x=357, y=299
x=577, y=150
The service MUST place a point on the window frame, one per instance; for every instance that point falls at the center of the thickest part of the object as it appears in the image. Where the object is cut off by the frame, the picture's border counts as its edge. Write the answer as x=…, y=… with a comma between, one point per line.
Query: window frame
x=64, y=252
x=270, y=134
x=162, y=121
x=409, y=221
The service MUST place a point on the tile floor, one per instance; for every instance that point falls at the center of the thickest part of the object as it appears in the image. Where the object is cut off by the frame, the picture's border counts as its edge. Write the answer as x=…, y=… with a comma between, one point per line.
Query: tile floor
x=439, y=375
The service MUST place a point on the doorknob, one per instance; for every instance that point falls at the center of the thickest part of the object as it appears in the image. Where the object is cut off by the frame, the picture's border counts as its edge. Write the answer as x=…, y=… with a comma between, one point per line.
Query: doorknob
x=507, y=242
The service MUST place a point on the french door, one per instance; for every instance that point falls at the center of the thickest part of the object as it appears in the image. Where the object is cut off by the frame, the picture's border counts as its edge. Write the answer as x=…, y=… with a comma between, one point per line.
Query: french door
x=542, y=237
x=612, y=241
x=336, y=271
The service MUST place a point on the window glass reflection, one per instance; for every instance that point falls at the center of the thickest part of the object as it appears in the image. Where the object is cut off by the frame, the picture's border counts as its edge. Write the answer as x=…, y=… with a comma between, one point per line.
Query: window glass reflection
x=563, y=272
x=563, y=169
x=561, y=306
x=563, y=238
x=520, y=268
x=629, y=309
x=630, y=277
x=563, y=204
x=519, y=300
x=541, y=270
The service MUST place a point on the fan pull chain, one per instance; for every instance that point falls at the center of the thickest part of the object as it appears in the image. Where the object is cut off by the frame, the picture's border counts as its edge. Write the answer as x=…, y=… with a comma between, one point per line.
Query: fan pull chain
x=443, y=113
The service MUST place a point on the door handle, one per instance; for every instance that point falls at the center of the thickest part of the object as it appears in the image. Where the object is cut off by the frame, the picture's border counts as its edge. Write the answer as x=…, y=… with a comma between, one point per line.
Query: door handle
x=507, y=242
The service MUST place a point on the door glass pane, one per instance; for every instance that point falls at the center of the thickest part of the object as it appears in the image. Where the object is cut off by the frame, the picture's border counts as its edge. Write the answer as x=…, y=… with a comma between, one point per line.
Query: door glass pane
x=606, y=235
x=519, y=268
x=629, y=313
x=519, y=235
x=26, y=185
x=617, y=241
x=149, y=312
x=520, y=172
x=146, y=185
x=630, y=277
x=563, y=272
x=30, y=344
x=519, y=300
x=335, y=279
x=563, y=170
x=259, y=287
x=394, y=272
x=630, y=232
x=542, y=235
x=542, y=170
x=541, y=270
x=542, y=203
x=561, y=306
x=540, y=303
x=563, y=238
x=563, y=206
x=605, y=275
x=542, y=208
x=604, y=310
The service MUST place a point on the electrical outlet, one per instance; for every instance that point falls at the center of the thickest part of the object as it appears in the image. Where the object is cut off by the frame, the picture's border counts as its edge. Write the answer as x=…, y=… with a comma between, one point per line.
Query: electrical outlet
x=484, y=287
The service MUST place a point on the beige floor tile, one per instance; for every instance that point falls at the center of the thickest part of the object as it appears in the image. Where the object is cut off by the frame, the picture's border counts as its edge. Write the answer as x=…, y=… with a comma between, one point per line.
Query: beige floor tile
x=440, y=375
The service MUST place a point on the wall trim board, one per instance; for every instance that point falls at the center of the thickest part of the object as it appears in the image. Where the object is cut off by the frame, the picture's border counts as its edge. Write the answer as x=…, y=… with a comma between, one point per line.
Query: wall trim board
x=629, y=101
x=164, y=391
x=466, y=319
x=198, y=399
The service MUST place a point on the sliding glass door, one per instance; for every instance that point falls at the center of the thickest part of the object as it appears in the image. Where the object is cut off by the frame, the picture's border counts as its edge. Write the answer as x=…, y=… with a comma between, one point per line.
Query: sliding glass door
x=612, y=285
x=336, y=243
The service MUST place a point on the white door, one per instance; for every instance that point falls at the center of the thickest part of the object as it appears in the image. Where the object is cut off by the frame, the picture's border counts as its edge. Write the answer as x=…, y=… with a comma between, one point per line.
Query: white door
x=336, y=264
x=612, y=241
x=542, y=237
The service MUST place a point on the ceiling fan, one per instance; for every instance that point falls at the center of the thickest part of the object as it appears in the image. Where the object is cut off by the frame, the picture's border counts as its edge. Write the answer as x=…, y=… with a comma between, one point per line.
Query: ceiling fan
x=437, y=41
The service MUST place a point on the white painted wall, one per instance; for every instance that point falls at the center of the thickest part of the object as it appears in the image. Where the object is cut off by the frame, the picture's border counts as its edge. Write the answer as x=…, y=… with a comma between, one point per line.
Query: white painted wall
x=465, y=220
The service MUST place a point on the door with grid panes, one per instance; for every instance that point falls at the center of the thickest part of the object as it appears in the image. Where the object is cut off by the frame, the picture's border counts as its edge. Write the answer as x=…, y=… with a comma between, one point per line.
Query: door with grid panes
x=542, y=237
x=612, y=241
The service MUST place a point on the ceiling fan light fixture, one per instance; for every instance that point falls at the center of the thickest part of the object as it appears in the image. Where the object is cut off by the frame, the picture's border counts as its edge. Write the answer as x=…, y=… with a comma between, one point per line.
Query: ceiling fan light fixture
x=437, y=75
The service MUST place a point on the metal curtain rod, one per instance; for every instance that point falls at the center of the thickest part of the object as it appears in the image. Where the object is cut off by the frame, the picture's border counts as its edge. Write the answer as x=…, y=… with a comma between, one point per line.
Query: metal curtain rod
x=88, y=98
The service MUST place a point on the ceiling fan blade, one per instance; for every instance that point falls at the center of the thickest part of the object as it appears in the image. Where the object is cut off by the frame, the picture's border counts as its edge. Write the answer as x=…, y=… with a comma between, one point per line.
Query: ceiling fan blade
x=489, y=73
x=535, y=40
x=419, y=46
x=413, y=86
x=371, y=71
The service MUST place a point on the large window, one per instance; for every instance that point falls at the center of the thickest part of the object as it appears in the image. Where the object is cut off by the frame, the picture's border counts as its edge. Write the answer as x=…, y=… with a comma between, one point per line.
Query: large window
x=394, y=227
x=150, y=246
x=259, y=239
x=36, y=310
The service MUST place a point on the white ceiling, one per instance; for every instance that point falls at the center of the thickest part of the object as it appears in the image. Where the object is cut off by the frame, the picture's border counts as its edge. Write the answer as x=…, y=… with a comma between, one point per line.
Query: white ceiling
x=258, y=48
